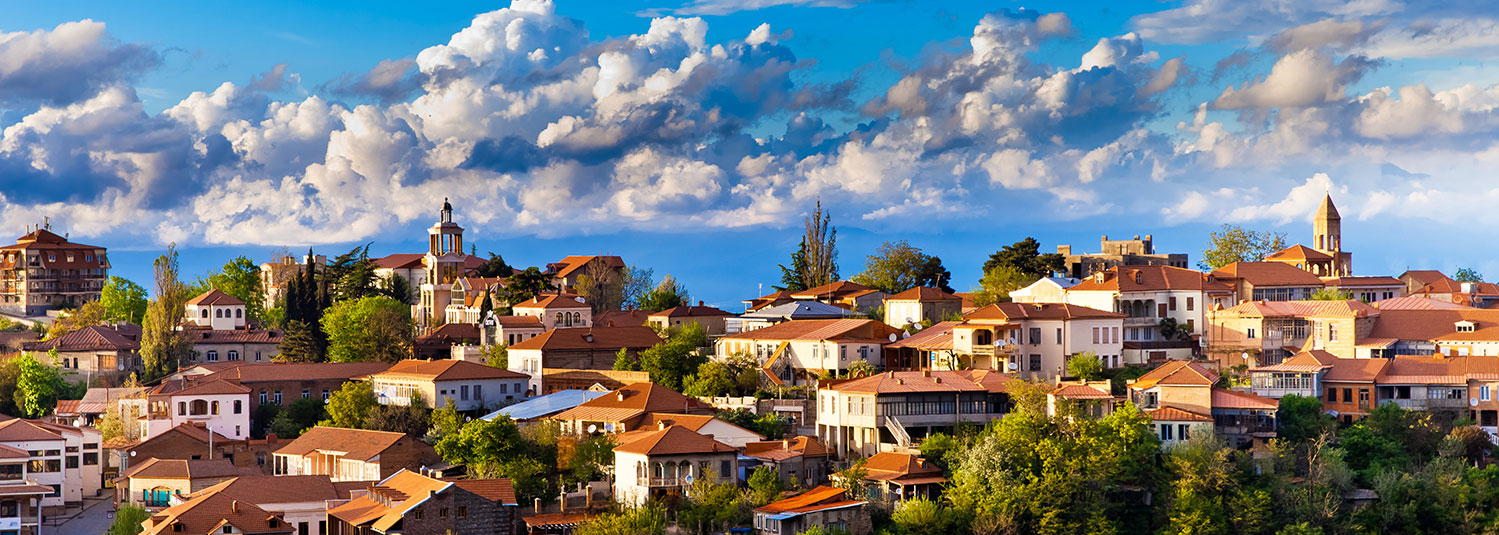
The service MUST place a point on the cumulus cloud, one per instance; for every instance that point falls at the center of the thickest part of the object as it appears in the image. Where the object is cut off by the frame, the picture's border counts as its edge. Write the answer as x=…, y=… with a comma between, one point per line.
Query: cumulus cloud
x=68, y=63
x=1302, y=78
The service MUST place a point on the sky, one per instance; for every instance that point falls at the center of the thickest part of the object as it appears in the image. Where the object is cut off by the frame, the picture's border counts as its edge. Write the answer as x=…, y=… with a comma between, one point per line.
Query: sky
x=693, y=137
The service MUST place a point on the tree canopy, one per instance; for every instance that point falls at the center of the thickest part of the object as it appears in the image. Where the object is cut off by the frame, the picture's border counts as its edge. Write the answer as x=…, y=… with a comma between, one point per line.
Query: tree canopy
x=667, y=294
x=815, y=261
x=1467, y=275
x=163, y=347
x=897, y=266
x=1233, y=243
x=350, y=405
x=375, y=328
x=998, y=282
x=1025, y=256
x=123, y=300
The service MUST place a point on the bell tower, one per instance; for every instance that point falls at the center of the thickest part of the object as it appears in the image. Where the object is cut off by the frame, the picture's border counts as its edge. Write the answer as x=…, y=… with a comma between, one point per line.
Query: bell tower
x=445, y=265
x=1327, y=237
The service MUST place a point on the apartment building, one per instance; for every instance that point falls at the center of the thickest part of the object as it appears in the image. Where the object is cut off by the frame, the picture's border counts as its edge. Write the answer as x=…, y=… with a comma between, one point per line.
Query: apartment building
x=1267, y=281
x=1150, y=294
x=577, y=348
x=1260, y=333
x=61, y=457
x=1034, y=340
x=886, y=411
x=44, y=271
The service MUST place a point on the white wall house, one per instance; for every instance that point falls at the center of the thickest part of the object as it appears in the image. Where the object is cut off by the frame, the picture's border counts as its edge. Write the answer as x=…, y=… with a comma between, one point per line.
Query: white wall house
x=216, y=310
x=216, y=404
x=1034, y=340
x=556, y=311
x=467, y=385
x=667, y=461
x=802, y=348
x=64, y=457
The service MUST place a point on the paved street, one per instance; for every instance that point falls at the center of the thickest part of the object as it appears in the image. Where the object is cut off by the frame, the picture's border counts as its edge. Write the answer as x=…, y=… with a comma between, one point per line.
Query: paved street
x=94, y=519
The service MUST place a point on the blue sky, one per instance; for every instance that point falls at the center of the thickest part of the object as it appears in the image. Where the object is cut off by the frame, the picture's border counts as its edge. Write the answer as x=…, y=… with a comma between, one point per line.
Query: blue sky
x=691, y=137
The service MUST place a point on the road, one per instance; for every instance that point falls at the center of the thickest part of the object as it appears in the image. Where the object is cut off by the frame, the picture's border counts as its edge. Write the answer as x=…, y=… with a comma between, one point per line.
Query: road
x=95, y=518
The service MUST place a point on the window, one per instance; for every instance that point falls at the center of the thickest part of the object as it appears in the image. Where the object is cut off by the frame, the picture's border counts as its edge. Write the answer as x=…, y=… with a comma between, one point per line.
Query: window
x=182, y=408
x=1181, y=431
x=215, y=408
x=90, y=458
x=1190, y=303
x=1059, y=336
x=205, y=313
x=72, y=462
x=233, y=355
x=462, y=511
x=278, y=397
x=1165, y=432
x=213, y=356
x=1035, y=363
x=259, y=458
x=306, y=392
x=262, y=397
x=724, y=470
x=478, y=392
x=1249, y=333
x=442, y=513
x=1483, y=393
x=1115, y=337
x=239, y=406
x=1347, y=395
x=1095, y=335
x=1332, y=394
x=463, y=392
x=1171, y=301
x=1332, y=332
x=417, y=515
x=218, y=313
x=325, y=394
x=1035, y=336
x=239, y=313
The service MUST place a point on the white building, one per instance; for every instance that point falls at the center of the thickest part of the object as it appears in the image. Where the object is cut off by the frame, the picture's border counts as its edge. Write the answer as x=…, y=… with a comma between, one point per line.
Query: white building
x=1045, y=290
x=219, y=405
x=796, y=351
x=556, y=311
x=667, y=461
x=63, y=457
x=1149, y=294
x=468, y=385
x=216, y=310
x=1034, y=340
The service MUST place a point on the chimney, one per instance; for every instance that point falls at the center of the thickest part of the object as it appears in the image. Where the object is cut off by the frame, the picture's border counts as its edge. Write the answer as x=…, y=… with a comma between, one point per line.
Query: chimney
x=621, y=397
x=937, y=380
x=1467, y=287
x=926, y=373
x=661, y=426
x=699, y=303
x=785, y=444
x=234, y=506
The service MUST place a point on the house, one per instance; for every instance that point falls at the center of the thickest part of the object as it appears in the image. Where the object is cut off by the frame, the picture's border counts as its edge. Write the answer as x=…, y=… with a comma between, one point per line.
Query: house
x=352, y=454
x=560, y=379
x=1349, y=387
x=154, y=483
x=442, y=265
x=1267, y=332
x=711, y=319
x=62, y=457
x=829, y=508
x=897, y=476
x=1300, y=375
x=1044, y=290
x=1149, y=295
x=468, y=386
x=1267, y=281
x=795, y=352
x=1452, y=332
x=511, y=330
x=438, y=343
x=556, y=311
x=1186, y=385
x=212, y=513
x=1034, y=340
x=929, y=349
x=277, y=274
x=193, y=441
x=1080, y=398
x=801, y=461
x=1175, y=426
x=565, y=272
x=297, y=501
x=622, y=318
x=920, y=305
x=97, y=351
x=784, y=312
x=44, y=271
x=1414, y=279
x=467, y=296
x=779, y=297
x=216, y=403
x=215, y=310
x=850, y=295
x=627, y=409
x=410, y=503
x=129, y=402
x=666, y=462
x=248, y=345
x=281, y=383
x=577, y=348
x=409, y=266
x=1474, y=294
x=1367, y=289
x=1242, y=418
x=883, y=412
x=20, y=493
x=1116, y=253
x=704, y=424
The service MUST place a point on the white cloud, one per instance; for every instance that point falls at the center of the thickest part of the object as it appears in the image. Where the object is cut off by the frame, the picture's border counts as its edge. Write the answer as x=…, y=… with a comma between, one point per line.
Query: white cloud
x=1298, y=79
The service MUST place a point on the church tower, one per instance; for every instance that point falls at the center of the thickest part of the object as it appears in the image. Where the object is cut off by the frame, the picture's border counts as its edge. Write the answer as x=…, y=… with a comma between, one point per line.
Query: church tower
x=1327, y=237
x=445, y=263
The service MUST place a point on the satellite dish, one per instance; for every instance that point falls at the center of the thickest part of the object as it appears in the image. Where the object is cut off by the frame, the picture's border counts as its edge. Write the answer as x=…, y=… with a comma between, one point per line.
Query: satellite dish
x=593, y=428
x=893, y=337
x=1014, y=367
x=1473, y=401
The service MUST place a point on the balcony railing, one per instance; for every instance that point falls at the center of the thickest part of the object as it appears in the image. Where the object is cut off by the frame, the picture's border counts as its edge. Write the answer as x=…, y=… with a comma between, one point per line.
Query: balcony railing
x=662, y=482
x=1141, y=321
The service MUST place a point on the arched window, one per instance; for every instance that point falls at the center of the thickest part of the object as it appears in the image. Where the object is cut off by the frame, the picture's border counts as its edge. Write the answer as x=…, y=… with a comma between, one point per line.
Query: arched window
x=215, y=409
x=205, y=313
x=559, y=318
x=218, y=312
x=983, y=337
x=239, y=313
x=199, y=407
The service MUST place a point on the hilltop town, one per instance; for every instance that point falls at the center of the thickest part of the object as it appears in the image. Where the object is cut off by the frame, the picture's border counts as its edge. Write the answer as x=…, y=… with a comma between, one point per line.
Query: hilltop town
x=1269, y=389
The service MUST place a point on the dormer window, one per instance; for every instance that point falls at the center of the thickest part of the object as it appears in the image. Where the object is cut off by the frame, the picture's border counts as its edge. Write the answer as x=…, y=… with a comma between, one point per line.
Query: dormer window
x=1465, y=326
x=1139, y=278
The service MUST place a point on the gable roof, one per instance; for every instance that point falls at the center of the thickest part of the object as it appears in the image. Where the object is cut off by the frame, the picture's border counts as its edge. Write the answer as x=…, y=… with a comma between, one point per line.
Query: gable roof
x=400, y=261
x=595, y=338
x=892, y=466
x=823, y=329
x=1355, y=370
x=298, y=371
x=262, y=489
x=1304, y=362
x=199, y=385
x=550, y=301
x=799, y=310
x=935, y=338
x=923, y=294
x=21, y=430
x=1299, y=253
x=1172, y=414
x=1234, y=399
x=1360, y=282
x=1436, y=325
x=90, y=338
x=1177, y=373
x=356, y=444
x=1266, y=309
x=189, y=430
x=892, y=382
x=780, y=450
x=632, y=401
x=833, y=290
x=1039, y=311
x=1082, y=392
x=499, y=490
x=621, y=318
x=691, y=311
x=155, y=468
x=1268, y=274
x=386, y=503
x=214, y=298
x=674, y=440
x=573, y=263
x=1415, y=302
x=1151, y=278
x=821, y=498
x=445, y=370
x=209, y=511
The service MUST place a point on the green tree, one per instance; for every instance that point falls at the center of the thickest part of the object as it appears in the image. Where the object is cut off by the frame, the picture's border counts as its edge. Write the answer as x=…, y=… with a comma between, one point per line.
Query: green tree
x=635, y=284
x=1331, y=294
x=1233, y=243
x=668, y=294
x=240, y=278
x=921, y=516
x=495, y=266
x=352, y=275
x=998, y=282
x=123, y=300
x=36, y=386
x=306, y=296
x=1085, y=366
x=767, y=425
x=1025, y=256
x=674, y=359
x=350, y=405
x=412, y=419
x=397, y=287
x=128, y=519
x=496, y=355
x=1467, y=275
x=860, y=368
x=897, y=266
x=624, y=361
x=1300, y=418
x=368, y=329
x=602, y=286
x=648, y=520
x=446, y=420
x=792, y=276
x=300, y=342
x=766, y=485
x=815, y=261
x=736, y=375
x=87, y=314
x=1172, y=330
x=163, y=347
x=297, y=417
x=525, y=285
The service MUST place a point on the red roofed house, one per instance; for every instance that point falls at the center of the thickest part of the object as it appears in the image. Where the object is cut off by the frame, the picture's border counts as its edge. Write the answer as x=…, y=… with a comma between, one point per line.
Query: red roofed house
x=627, y=409
x=300, y=502
x=1187, y=386
x=212, y=513
x=43, y=271
x=216, y=403
x=796, y=352
x=215, y=310
x=1079, y=398
x=110, y=351
x=1242, y=417
x=410, y=503
x=577, y=348
x=667, y=461
x=1034, y=340
x=153, y=483
x=1182, y=384
x=921, y=304
x=352, y=454
x=219, y=331
x=1148, y=295
x=1367, y=289
x=192, y=441
x=1175, y=426
x=469, y=386
x=1261, y=333
x=883, y=412
x=711, y=319
x=565, y=272
x=1267, y=281
x=1345, y=386
x=850, y=295
x=822, y=507
x=801, y=461
x=63, y=457
x=892, y=477
x=20, y=492
x=556, y=311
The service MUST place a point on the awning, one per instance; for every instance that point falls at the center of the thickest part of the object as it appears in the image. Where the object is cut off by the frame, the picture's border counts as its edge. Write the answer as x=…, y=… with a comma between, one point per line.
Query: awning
x=782, y=516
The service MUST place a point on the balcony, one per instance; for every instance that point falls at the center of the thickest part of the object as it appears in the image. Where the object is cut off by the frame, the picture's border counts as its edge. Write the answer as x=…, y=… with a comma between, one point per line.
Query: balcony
x=662, y=482
x=1141, y=322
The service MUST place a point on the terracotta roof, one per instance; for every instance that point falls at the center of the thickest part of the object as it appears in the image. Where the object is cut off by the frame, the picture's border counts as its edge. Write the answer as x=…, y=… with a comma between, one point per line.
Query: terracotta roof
x=892, y=382
x=1173, y=414
x=1080, y=392
x=923, y=293
x=496, y=490
x=674, y=440
x=1435, y=325
x=197, y=386
x=450, y=332
x=595, y=338
x=446, y=370
x=386, y=503
x=892, y=466
x=1355, y=370
x=400, y=261
x=91, y=338
x=1151, y=278
x=1358, y=282
x=516, y=322
x=21, y=430
x=44, y=241
x=821, y=498
x=1305, y=362
x=691, y=311
x=263, y=489
x=935, y=338
x=550, y=301
x=208, y=512
x=1177, y=373
x=190, y=430
x=1265, y=309
x=1299, y=253
x=780, y=450
x=1439, y=370
x=155, y=468
x=245, y=373
x=632, y=401
x=1417, y=303
x=823, y=329
x=234, y=336
x=622, y=318
x=1423, y=277
x=214, y=298
x=1234, y=399
x=67, y=407
x=357, y=444
x=763, y=301
x=834, y=290
x=1039, y=311
x=573, y=263
x=1268, y=274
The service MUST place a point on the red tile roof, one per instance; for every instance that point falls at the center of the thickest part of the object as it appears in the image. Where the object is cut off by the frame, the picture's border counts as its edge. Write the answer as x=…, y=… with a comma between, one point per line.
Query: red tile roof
x=594, y=338
x=234, y=336
x=691, y=311
x=633, y=401
x=924, y=294
x=1151, y=278
x=573, y=263
x=1434, y=325
x=1234, y=399
x=445, y=370
x=674, y=440
x=832, y=290
x=1299, y=253
x=209, y=512
x=1355, y=370
x=1080, y=392
x=1268, y=309
x=386, y=504
x=1360, y=282
x=622, y=318
x=21, y=430
x=892, y=382
x=821, y=498
x=780, y=450
x=1267, y=274
x=935, y=338
x=1417, y=303
x=155, y=468
x=197, y=386
x=499, y=490
x=1039, y=311
x=823, y=329
x=91, y=338
x=401, y=261
x=263, y=489
x=1173, y=414
x=215, y=298
x=1305, y=362
x=892, y=466
x=245, y=373
x=551, y=301
x=357, y=444
x=1177, y=373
